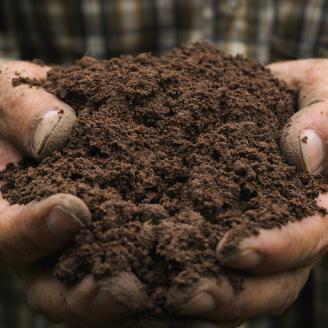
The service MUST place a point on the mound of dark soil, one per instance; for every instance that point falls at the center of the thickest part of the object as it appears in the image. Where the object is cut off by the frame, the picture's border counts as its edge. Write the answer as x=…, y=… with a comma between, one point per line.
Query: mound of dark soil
x=169, y=154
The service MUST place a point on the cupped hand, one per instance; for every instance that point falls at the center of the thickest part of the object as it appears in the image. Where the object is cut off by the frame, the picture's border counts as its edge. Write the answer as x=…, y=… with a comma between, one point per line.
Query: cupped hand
x=276, y=264
x=33, y=122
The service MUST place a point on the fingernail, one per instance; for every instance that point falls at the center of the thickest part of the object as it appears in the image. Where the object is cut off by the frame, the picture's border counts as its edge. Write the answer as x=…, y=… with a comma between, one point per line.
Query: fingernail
x=245, y=259
x=202, y=303
x=52, y=131
x=63, y=224
x=43, y=130
x=312, y=149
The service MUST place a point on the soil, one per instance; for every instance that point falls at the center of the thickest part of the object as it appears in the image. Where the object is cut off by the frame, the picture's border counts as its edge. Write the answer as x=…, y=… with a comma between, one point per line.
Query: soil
x=169, y=153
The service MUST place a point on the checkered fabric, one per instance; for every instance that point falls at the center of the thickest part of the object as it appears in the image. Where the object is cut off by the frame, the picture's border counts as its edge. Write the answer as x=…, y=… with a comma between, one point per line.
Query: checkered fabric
x=63, y=30
x=60, y=31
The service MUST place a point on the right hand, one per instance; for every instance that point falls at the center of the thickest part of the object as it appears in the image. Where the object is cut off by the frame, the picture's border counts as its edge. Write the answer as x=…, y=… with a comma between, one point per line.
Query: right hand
x=275, y=264
x=34, y=122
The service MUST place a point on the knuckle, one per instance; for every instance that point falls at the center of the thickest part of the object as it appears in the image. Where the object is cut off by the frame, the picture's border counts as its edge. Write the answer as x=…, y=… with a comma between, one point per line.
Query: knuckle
x=15, y=254
x=27, y=251
x=321, y=248
x=19, y=240
x=290, y=290
x=317, y=258
x=315, y=252
x=25, y=67
x=40, y=300
x=285, y=304
x=74, y=311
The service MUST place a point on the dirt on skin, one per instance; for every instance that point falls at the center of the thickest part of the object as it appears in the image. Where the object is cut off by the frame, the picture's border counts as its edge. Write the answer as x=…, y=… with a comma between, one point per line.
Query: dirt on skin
x=169, y=154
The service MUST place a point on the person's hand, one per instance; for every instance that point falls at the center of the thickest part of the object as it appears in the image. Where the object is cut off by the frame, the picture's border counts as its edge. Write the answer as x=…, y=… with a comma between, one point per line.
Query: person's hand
x=276, y=263
x=33, y=122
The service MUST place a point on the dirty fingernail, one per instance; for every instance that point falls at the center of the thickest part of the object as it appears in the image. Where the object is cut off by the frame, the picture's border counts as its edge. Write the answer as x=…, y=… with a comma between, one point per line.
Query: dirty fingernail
x=52, y=131
x=63, y=224
x=245, y=259
x=202, y=303
x=312, y=150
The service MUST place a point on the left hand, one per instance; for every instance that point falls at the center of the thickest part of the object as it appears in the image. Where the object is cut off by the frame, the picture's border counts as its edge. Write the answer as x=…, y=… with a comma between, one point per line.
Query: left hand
x=276, y=263
x=34, y=122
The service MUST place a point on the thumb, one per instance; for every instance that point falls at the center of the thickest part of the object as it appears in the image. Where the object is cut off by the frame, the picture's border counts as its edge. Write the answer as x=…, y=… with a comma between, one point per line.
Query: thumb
x=305, y=136
x=33, y=120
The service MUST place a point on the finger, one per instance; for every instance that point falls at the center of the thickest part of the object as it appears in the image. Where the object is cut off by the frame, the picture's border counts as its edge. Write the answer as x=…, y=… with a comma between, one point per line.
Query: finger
x=35, y=121
x=262, y=295
x=305, y=136
x=307, y=76
x=297, y=244
x=38, y=229
x=88, y=303
x=295, y=72
x=8, y=154
x=304, y=139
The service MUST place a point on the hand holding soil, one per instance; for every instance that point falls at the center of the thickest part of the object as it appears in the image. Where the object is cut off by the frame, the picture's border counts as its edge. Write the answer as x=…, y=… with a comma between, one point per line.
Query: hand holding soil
x=34, y=122
x=285, y=256
x=173, y=157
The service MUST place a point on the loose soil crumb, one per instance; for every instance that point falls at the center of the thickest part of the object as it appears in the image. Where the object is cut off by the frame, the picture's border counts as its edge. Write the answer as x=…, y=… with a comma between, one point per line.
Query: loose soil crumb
x=169, y=154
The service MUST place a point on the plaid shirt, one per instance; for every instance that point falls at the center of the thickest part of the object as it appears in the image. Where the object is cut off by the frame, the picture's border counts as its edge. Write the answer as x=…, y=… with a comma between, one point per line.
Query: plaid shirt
x=59, y=31
x=63, y=30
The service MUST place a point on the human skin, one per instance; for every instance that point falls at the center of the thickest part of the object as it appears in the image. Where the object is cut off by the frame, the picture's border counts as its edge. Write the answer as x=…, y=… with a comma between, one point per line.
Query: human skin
x=276, y=263
x=33, y=122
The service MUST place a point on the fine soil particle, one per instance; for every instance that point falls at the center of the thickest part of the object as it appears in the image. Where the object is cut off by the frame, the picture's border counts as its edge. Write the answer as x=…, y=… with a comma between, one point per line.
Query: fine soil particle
x=169, y=154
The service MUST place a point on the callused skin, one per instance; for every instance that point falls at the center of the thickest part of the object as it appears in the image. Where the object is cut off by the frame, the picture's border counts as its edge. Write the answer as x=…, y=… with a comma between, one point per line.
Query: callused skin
x=276, y=263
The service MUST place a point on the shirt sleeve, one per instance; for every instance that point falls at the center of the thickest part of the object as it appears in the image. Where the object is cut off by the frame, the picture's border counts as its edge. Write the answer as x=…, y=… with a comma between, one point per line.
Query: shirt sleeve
x=300, y=29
